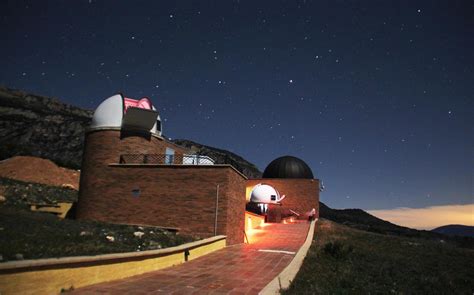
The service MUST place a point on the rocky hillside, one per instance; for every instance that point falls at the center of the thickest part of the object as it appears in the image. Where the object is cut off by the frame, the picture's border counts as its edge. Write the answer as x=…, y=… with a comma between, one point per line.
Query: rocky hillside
x=222, y=157
x=34, y=125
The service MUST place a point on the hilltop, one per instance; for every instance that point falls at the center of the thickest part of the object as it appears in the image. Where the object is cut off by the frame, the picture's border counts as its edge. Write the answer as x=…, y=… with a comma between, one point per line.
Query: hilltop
x=455, y=230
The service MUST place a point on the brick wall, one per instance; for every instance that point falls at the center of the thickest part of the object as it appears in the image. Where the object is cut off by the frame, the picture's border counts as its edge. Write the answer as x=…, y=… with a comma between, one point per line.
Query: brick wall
x=106, y=146
x=177, y=196
x=302, y=195
x=235, y=220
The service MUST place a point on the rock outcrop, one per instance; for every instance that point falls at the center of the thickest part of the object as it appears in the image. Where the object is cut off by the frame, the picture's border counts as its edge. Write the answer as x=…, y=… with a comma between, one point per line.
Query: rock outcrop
x=33, y=125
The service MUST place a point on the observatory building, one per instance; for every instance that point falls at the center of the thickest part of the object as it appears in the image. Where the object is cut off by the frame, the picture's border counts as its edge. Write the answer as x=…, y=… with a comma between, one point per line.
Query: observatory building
x=131, y=174
x=295, y=186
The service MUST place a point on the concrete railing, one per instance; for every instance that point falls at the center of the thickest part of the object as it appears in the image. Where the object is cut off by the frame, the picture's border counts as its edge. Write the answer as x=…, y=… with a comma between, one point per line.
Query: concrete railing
x=51, y=276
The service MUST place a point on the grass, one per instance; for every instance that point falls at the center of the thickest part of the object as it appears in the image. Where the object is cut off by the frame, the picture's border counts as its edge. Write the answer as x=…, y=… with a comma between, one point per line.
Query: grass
x=41, y=235
x=344, y=260
x=34, y=235
x=20, y=194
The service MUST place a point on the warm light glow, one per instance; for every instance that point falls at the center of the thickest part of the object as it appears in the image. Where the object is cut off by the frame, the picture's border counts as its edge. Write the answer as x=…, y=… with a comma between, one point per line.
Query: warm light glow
x=429, y=217
x=249, y=224
x=248, y=192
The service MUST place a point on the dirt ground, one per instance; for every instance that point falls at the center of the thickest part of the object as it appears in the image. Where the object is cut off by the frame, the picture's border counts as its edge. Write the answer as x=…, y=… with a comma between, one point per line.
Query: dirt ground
x=38, y=170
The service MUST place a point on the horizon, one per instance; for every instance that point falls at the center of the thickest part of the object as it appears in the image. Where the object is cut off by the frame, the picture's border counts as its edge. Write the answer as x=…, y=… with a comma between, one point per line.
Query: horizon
x=378, y=101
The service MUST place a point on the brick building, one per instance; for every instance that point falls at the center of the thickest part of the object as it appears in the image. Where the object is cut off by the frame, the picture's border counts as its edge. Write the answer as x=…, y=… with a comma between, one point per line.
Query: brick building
x=132, y=175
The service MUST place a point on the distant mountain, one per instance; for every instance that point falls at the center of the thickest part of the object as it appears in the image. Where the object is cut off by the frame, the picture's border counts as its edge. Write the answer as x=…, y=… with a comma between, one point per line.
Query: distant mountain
x=455, y=230
x=34, y=125
x=359, y=219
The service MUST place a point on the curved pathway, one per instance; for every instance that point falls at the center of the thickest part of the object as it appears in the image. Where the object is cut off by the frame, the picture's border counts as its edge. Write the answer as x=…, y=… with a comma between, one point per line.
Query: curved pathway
x=239, y=269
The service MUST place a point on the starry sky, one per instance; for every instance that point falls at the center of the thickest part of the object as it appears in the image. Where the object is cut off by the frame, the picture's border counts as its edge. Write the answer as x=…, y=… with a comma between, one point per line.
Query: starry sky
x=376, y=96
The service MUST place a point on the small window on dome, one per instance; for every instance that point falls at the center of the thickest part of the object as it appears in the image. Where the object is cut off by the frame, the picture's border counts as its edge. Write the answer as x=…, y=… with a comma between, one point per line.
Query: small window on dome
x=273, y=197
x=158, y=125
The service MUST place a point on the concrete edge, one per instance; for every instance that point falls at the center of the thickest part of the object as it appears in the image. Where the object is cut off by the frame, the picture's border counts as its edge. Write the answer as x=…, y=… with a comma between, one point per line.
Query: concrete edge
x=181, y=166
x=33, y=263
x=284, y=278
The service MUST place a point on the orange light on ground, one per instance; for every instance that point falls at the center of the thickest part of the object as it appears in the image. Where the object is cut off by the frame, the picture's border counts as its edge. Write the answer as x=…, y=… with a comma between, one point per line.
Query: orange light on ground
x=257, y=234
x=254, y=235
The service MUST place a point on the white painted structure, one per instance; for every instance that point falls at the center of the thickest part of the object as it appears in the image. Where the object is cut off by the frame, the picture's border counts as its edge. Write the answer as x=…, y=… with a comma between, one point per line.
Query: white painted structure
x=112, y=113
x=197, y=160
x=265, y=194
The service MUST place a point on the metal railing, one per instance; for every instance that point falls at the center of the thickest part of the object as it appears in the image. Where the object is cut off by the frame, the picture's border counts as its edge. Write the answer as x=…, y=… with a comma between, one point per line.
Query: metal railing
x=165, y=159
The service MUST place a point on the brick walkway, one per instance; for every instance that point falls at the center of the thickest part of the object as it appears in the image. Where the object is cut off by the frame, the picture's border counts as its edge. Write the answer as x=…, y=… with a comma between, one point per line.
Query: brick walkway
x=239, y=269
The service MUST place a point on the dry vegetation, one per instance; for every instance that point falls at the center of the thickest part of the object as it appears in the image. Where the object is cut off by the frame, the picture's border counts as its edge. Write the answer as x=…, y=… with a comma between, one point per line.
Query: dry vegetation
x=344, y=260
x=33, y=235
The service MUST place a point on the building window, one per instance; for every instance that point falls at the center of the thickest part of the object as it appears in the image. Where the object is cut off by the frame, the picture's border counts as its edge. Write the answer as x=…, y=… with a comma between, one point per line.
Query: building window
x=136, y=192
x=169, y=156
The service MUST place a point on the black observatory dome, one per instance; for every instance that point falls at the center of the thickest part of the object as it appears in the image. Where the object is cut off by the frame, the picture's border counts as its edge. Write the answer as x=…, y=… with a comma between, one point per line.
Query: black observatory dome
x=288, y=167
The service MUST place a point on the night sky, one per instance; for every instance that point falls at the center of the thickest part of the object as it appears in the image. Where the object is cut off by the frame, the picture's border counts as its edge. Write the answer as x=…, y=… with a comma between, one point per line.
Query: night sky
x=376, y=96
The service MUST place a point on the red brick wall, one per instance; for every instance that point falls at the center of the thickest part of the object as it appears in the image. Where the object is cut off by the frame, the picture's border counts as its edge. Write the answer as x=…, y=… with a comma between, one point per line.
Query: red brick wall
x=302, y=195
x=106, y=146
x=170, y=195
x=235, y=194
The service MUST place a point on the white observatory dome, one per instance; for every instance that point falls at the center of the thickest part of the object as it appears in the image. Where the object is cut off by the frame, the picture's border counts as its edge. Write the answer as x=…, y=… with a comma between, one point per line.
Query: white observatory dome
x=113, y=113
x=264, y=193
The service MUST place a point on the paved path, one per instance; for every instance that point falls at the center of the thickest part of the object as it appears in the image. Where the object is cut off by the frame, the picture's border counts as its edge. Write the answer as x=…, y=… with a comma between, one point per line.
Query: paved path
x=239, y=269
